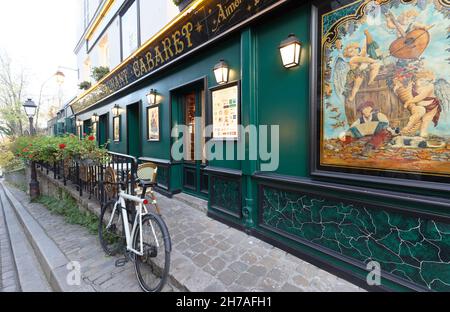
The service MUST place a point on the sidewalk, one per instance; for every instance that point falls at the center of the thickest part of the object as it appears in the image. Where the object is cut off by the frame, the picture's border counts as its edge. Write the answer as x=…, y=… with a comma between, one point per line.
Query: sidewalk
x=99, y=273
x=207, y=256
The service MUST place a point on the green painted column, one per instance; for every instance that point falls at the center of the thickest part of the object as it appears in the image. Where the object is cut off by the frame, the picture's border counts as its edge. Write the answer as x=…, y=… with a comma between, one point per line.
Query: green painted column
x=249, y=117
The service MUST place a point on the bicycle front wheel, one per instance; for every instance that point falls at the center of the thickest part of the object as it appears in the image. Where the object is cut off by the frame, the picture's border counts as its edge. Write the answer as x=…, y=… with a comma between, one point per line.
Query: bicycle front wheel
x=152, y=268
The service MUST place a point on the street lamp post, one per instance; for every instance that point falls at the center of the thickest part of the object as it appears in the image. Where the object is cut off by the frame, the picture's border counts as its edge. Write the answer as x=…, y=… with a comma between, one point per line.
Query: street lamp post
x=60, y=75
x=30, y=109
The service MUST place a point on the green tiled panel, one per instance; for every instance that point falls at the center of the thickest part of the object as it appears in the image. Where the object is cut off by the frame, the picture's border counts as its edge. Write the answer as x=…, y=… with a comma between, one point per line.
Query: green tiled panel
x=412, y=248
x=225, y=194
x=163, y=176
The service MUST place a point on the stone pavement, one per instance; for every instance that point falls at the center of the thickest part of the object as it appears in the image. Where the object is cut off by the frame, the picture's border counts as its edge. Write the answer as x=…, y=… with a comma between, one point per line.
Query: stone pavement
x=98, y=271
x=210, y=256
x=207, y=256
x=8, y=274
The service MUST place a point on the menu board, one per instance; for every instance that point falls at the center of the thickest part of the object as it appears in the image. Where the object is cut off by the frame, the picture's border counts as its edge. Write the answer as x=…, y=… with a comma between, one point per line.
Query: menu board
x=225, y=112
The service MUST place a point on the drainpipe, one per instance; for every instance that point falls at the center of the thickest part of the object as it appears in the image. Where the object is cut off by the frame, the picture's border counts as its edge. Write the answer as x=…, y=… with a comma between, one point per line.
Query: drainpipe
x=249, y=117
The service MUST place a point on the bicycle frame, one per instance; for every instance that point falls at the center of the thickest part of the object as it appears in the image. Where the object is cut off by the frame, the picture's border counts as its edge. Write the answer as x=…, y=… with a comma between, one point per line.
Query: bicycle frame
x=141, y=211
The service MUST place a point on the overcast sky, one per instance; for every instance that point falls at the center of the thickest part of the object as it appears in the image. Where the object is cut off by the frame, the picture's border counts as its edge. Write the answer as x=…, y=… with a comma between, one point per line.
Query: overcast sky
x=40, y=36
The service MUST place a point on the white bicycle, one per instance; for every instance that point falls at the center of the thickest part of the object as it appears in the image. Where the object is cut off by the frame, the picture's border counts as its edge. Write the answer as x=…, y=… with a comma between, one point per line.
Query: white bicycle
x=129, y=226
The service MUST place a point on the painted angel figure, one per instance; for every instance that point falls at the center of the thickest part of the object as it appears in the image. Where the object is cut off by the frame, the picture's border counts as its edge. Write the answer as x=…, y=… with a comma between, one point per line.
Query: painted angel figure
x=405, y=22
x=349, y=76
x=428, y=100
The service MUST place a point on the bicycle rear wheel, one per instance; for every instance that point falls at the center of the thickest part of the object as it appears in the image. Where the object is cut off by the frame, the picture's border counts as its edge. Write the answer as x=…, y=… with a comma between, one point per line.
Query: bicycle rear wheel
x=111, y=237
x=152, y=268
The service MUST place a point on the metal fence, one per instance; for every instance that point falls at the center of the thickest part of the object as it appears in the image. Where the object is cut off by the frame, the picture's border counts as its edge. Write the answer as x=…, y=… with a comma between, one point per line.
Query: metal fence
x=98, y=181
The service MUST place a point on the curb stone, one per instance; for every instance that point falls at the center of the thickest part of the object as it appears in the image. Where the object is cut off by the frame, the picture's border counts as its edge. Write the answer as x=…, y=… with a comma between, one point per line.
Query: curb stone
x=52, y=259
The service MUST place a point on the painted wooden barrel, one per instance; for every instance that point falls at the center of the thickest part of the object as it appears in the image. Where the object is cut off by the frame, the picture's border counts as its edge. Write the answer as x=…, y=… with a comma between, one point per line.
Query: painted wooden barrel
x=385, y=99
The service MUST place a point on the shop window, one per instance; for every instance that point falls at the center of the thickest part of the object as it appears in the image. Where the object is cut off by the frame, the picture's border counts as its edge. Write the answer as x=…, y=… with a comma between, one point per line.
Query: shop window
x=87, y=69
x=129, y=26
x=189, y=119
x=103, y=49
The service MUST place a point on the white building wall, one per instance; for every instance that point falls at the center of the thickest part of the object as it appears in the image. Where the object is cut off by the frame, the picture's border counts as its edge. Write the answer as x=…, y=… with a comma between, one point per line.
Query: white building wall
x=155, y=14
x=104, y=46
x=114, y=43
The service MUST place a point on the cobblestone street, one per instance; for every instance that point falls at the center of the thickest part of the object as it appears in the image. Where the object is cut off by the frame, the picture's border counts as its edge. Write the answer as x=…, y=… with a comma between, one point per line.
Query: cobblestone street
x=206, y=256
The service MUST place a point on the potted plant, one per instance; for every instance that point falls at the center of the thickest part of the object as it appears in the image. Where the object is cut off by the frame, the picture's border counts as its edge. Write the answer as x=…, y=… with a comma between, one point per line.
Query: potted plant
x=84, y=85
x=182, y=4
x=99, y=72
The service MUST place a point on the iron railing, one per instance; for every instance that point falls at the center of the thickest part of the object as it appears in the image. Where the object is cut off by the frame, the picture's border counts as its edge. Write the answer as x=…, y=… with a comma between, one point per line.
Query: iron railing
x=89, y=178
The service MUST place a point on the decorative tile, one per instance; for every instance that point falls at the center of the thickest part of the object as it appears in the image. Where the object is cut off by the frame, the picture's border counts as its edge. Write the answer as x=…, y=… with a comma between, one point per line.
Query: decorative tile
x=412, y=248
x=225, y=194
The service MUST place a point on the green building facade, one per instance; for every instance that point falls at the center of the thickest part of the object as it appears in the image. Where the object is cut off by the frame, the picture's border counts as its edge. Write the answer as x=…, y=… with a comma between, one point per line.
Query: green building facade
x=341, y=225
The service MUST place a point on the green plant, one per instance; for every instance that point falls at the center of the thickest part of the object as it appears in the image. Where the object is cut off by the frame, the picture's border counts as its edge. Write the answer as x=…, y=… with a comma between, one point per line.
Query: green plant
x=99, y=72
x=85, y=85
x=50, y=149
x=8, y=162
x=68, y=208
x=178, y=2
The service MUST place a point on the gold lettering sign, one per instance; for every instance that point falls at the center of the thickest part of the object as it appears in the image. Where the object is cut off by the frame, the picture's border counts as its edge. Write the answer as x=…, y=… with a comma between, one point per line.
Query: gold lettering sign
x=206, y=21
x=164, y=51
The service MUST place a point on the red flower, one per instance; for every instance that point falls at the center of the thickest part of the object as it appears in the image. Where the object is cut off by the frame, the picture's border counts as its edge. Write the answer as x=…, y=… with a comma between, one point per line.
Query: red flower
x=30, y=156
x=91, y=138
x=25, y=150
x=62, y=146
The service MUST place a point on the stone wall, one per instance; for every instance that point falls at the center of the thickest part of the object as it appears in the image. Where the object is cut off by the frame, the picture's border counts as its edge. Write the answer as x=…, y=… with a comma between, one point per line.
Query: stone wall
x=57, y=189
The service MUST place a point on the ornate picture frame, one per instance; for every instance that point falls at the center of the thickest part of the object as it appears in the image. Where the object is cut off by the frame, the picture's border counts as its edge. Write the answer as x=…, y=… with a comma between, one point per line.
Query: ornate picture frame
x=153, y=124
x=116, y=128
x=379, y=105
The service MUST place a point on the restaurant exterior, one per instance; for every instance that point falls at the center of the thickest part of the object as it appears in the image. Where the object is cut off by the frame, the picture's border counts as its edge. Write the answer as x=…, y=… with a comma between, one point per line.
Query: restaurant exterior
x=354, y=97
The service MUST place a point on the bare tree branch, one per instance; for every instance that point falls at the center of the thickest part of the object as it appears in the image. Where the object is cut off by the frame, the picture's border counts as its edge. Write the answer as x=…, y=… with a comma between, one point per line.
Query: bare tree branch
x=12, y=86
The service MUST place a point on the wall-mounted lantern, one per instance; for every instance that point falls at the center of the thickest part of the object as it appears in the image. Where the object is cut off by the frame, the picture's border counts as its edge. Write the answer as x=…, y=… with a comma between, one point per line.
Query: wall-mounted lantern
x=116, y=110
x=221, y=71
x=152, y=97
x=95, y=118
x=290, y=50
x=79, y=123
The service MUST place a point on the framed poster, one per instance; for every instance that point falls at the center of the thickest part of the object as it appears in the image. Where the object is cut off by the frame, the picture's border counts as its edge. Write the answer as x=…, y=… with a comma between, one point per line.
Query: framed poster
x=380, y=99
x=116, y=129
x=225, y=111
x=94, y=130
x=153, y=123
